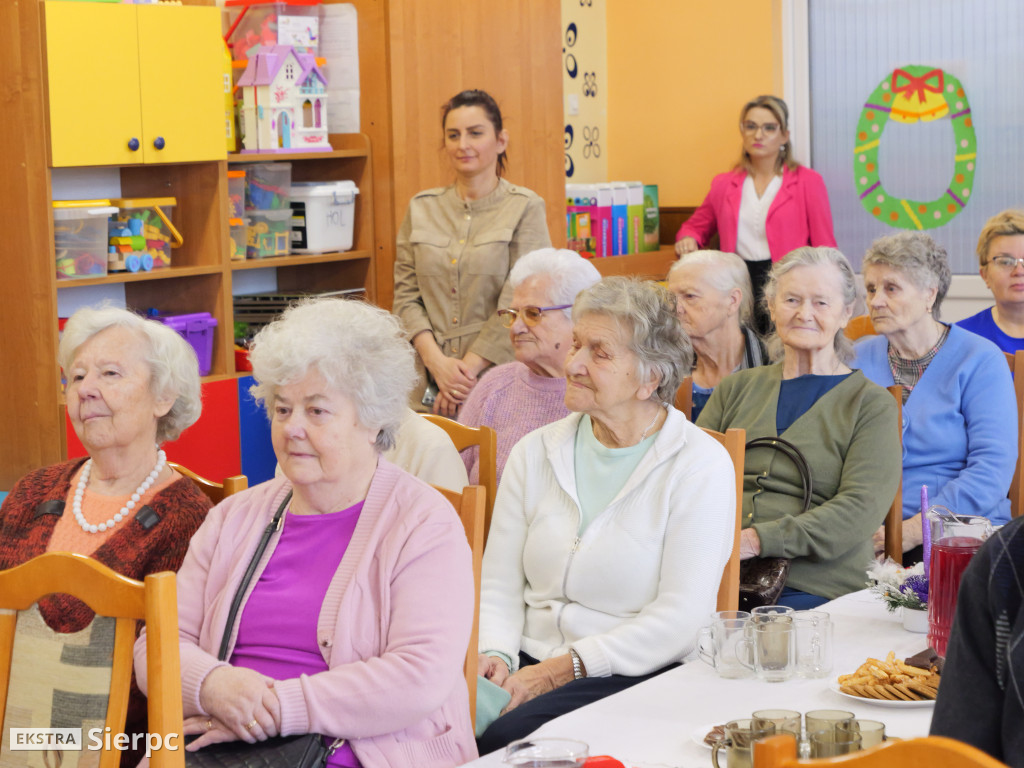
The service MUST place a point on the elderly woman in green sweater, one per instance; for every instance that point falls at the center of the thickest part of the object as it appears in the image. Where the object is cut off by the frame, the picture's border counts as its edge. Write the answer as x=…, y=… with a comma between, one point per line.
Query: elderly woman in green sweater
x=843, y=425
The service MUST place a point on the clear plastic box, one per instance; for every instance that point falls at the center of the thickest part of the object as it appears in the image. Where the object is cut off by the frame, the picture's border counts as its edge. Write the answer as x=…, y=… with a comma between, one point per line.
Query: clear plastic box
x=267, y=186
x=269, y=234
x=239, y=237
x=236, y=194
x=80, y=237
x=252, y=23
x=151, y=229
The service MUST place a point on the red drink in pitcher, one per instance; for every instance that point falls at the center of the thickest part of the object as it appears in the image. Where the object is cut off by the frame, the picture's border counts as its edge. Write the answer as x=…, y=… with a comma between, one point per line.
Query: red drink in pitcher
x=949, y=558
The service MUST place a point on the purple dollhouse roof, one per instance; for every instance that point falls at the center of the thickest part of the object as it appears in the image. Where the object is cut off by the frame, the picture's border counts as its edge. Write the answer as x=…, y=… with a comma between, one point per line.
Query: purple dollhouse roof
x=264, y=65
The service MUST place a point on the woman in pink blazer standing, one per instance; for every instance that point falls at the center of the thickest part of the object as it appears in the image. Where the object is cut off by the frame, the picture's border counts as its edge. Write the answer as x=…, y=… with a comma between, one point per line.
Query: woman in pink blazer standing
x=767, y=205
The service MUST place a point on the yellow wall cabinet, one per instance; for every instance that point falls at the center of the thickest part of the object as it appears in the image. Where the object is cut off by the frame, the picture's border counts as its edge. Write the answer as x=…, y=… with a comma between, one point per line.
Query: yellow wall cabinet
x=132, y=83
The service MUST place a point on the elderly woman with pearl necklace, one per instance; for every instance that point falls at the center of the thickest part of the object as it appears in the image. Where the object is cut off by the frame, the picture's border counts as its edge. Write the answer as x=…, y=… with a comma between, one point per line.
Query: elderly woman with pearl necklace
x=131, y=384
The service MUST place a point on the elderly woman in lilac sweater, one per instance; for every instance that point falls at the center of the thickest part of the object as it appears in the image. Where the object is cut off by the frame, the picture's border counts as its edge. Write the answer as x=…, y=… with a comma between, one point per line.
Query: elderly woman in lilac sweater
x=357, y=619
x=519, y=397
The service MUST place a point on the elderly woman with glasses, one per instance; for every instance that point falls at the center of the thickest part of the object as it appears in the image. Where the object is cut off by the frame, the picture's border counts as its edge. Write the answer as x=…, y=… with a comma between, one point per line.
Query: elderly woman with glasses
x=959, y=411
x=611, y=526
x=715, y=307
x=521, y=396
x=767, y=205
x=1001, y=265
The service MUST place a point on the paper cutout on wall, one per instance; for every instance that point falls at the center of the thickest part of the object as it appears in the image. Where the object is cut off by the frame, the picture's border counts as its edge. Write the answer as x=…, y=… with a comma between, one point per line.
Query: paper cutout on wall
x=907, y=95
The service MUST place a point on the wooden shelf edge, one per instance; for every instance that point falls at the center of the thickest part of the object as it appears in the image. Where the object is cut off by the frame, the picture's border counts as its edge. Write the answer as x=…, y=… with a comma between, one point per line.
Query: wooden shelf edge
x=136, y=277
x=299, y=259
x=344, y=145
x=650, y=264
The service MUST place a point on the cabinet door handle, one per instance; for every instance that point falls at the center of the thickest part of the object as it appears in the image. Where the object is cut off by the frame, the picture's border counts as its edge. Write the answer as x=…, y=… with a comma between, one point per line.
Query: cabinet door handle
x=133, y=144
x=158, y=142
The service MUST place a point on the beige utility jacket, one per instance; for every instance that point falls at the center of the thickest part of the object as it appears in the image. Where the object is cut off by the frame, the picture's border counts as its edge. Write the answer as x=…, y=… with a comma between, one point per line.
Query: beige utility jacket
x=452, y=265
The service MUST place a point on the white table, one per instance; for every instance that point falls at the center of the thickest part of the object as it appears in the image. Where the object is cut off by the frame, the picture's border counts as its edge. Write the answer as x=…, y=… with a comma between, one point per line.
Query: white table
x=650, y=725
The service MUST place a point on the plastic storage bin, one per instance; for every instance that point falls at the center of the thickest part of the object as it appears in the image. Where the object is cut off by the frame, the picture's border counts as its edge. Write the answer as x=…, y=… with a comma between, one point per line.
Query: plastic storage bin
x=323, y=216
x=269, y=234
x=264, y=22
x=239, y=237
x=152, y=233
x=197, y=330
x=236, y=194
x=80, y=237
x=267, y=186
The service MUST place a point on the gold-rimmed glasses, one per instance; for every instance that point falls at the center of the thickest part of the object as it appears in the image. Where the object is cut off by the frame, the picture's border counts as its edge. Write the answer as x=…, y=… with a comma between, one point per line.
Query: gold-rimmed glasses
x=531, y=315
x=751, y=128
x=1007, y=263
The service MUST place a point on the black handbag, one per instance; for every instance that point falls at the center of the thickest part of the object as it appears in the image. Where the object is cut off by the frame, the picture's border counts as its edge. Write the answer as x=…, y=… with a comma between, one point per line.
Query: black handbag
x=762, y=579
x=308, y=750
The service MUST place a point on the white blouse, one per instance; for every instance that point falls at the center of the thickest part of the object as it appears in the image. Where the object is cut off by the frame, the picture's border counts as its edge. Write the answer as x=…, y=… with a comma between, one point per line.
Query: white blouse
x=751, y=238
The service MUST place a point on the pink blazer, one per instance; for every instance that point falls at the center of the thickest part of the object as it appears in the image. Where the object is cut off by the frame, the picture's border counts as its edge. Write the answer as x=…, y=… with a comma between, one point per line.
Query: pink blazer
x=799, y=215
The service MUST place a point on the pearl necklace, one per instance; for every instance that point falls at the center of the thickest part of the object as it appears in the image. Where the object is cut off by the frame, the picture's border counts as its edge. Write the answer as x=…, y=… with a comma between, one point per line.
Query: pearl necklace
x=76, y=504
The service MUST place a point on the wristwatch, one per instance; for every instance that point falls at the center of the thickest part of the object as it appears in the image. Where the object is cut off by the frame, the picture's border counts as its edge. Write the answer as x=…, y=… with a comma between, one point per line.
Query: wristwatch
x=577, y=664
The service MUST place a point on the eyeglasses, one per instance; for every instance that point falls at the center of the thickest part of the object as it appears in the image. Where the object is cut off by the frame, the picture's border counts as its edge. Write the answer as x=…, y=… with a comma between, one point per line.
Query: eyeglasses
x=531, y=315
x=770, y=129
x=1009, y=263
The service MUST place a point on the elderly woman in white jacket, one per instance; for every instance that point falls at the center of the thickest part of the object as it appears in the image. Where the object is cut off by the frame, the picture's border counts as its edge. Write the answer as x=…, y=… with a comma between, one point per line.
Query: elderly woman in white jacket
x=611, y=526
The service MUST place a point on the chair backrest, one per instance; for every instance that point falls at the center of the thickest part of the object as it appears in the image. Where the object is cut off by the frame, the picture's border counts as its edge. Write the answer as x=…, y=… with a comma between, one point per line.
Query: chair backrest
x=684, y=398
x=216, y=491
x=894, y=520
x=470, y=506
x=1016, y=363
x=108, y=594
x=858, y=326
x=487, y=440
x=734, y=440
x=930, y=752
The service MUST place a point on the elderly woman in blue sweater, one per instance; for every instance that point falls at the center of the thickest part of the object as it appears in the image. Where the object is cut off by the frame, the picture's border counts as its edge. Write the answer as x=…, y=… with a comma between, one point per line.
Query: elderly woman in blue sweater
x=959, y=425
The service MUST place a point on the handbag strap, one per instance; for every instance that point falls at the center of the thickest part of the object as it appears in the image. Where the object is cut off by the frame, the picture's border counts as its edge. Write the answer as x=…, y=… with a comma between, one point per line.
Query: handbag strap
x=236, y=602
x=794, y=455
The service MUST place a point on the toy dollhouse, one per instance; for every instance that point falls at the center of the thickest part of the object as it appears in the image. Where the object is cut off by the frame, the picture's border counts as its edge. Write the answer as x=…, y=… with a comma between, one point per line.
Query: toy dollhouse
x=284, y=102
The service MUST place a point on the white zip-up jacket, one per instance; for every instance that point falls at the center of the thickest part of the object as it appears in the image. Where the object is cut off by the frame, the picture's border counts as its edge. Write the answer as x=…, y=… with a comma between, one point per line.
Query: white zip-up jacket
x=628, y=594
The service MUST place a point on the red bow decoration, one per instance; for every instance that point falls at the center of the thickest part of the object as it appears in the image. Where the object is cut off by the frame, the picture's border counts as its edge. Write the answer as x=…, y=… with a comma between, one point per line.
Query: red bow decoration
x=918, y=84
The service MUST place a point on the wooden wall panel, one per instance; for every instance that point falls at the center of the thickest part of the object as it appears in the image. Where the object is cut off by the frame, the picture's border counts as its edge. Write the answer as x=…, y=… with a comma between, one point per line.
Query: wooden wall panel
x=510, y=49
x=31, y=416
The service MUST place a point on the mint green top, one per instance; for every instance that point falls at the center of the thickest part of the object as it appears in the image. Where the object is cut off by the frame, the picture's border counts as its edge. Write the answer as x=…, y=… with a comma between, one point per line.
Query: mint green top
x=601, y=472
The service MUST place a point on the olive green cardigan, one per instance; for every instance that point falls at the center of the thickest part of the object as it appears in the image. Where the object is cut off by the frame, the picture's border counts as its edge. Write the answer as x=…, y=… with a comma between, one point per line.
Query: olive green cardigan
x=850, y=439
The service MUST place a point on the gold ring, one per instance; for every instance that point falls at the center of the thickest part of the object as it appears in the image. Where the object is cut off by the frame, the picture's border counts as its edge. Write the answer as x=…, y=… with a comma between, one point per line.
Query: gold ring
x=249, y=726
x=209, y=724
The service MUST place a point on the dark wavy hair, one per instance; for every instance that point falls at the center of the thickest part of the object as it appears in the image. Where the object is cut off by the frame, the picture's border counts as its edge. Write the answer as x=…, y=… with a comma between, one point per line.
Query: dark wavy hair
x=486, y=102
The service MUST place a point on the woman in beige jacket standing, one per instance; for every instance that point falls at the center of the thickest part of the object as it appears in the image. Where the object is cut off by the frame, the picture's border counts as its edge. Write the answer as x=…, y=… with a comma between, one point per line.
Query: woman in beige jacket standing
x=456, y=247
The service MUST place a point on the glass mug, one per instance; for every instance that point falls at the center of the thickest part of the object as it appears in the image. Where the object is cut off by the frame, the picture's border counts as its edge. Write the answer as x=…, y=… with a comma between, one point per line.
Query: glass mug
x=546, y=753
x=718, y=645
x=872, y=732
x=784, y=720
x=834, y=742
x=771, y=645
x=738, y=743
x=813, y=643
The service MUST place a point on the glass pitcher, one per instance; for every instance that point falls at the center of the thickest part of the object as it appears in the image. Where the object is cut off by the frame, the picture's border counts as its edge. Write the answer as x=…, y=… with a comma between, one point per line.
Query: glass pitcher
x=954, y=539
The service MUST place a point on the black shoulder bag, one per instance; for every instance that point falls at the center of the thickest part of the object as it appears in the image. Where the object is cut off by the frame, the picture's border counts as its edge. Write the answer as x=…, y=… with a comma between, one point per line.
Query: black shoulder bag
x=306, y=751
x=762, y=579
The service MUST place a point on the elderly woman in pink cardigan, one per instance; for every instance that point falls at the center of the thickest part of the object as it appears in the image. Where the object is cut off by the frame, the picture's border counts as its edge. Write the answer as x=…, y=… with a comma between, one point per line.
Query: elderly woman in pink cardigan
x=356, y=621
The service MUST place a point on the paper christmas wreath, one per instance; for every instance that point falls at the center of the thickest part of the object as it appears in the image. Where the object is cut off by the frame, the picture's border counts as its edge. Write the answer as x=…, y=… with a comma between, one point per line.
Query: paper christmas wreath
x=907, y=95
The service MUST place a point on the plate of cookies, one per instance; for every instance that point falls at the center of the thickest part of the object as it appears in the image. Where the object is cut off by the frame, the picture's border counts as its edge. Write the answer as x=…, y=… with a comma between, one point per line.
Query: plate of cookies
x=890, y=682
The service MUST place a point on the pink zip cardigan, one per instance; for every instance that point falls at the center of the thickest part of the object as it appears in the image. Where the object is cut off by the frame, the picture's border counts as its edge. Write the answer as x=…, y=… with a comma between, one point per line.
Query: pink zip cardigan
x=393, y=629
x=799, y=215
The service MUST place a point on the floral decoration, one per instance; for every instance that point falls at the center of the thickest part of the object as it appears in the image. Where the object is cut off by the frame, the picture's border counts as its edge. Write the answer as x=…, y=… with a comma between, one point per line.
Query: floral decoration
x=899, y=587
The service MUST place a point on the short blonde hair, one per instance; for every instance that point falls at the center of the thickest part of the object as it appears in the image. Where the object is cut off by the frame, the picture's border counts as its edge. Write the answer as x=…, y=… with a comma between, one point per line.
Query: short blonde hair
x=1008, y=222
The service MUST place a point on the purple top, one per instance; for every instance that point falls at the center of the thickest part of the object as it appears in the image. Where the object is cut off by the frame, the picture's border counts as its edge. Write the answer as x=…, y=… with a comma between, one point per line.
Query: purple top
x=277, y=629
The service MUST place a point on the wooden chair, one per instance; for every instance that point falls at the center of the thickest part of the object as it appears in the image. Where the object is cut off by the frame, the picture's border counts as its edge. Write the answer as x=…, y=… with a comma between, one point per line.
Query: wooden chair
x=470, y=506
x=734, y=441
x=127, y=600
x=684, y=398
x=894, y=520
x=929, y=752
x=487, y=441
x=216, y=491
x=858, y=326
x=1017, y=486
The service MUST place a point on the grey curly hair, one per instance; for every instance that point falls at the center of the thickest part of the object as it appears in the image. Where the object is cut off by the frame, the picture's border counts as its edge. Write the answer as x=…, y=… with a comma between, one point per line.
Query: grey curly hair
x=359, y=349
x=917, y=256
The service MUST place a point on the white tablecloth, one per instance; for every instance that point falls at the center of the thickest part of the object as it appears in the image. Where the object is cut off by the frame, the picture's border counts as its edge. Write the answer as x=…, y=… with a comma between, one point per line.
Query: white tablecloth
x=651, y=725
